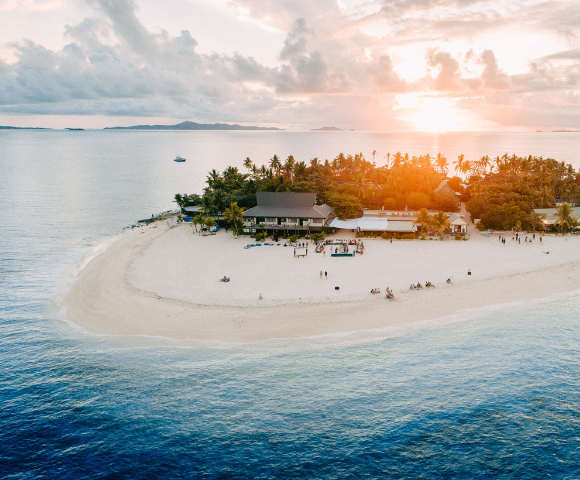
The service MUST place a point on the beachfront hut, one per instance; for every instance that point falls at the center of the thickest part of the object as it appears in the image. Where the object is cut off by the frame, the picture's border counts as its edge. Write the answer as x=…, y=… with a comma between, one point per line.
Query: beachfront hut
x=457, y=226
x=287, y=213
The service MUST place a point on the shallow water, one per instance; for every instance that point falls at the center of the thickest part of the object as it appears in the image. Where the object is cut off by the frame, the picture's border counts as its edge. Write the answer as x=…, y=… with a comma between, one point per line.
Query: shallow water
x=492, y=396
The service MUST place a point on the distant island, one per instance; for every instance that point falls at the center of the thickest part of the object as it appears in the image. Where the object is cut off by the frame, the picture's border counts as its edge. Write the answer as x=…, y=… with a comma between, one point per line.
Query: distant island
x=194, y=126
x=327, y=129
x=23, y=128
x=75, y=129
x=558, y=131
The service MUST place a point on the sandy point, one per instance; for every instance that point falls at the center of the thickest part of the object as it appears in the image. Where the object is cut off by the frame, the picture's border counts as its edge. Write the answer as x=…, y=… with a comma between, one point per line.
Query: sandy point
x=165, y=282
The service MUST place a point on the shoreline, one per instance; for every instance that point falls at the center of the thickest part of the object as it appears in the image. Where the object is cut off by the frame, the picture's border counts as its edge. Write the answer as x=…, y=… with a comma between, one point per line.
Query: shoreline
x=133, y=288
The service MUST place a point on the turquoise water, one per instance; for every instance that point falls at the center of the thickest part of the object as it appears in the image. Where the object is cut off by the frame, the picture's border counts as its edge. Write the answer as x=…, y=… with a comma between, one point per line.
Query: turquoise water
x=494, y=394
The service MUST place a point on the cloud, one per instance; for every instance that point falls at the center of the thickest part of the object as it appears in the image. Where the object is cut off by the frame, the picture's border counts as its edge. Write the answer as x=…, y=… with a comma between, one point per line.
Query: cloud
x=448, y=77
x=493, y=77
x=30, y=5
x=296, y=43
x=329, y=67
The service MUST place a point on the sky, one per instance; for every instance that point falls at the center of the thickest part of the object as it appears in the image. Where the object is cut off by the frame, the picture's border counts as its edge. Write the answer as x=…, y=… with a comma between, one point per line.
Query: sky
x=384, y=65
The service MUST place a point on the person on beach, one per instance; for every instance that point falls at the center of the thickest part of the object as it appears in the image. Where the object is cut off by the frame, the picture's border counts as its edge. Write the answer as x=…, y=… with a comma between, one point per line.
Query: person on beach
x=326, y=275
x=449, y=280
x=260, y=297
x=320, y=274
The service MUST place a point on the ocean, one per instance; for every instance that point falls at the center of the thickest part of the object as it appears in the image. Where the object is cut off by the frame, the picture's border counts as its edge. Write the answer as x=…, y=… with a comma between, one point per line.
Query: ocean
x=491, y=393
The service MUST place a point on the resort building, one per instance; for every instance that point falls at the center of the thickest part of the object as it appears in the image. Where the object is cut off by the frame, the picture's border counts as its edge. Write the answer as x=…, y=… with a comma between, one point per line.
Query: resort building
x=380, y=221
x=550, y=218
x=444, y=189
x=395, y=221
x=287, y=213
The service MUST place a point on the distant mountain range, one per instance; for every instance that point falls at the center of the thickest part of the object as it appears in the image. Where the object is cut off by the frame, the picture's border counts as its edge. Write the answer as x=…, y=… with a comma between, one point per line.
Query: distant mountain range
x=23, y=128
x=327, y=129
x=194, y=126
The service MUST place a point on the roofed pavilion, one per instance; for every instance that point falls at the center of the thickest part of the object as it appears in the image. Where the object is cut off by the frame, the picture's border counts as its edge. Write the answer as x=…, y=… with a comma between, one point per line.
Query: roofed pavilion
x=287, y=212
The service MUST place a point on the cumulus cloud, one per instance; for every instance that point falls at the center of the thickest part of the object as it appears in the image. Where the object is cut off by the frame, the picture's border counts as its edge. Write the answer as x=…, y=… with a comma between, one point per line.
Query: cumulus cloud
x=296, y=43
x=493, y=77
x=448, y=75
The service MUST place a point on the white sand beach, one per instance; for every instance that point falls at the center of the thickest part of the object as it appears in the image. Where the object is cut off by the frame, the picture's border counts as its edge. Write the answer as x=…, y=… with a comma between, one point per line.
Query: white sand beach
x=165, y=282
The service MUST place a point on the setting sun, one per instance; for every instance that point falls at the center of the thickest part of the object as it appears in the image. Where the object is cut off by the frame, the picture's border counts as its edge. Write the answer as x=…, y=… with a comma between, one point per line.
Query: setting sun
x=435, y=115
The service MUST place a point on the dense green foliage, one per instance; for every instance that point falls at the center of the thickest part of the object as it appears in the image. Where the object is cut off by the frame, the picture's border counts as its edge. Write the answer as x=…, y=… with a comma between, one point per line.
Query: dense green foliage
x=347, y=183
x=504, y=192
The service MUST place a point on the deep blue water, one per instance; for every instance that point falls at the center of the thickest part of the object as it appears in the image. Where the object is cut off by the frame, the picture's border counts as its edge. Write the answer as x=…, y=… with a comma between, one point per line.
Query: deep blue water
x=496, y=395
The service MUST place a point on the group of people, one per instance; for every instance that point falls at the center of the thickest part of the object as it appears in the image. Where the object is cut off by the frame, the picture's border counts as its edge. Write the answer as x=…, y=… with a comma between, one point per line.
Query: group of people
x=427, y=285
x=389, y=295
x=344, y=243
x=343, y=248
x=518, y=239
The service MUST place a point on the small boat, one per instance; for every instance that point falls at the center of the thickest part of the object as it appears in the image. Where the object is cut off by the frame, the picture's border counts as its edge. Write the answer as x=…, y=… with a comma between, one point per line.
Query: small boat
x=179, y=159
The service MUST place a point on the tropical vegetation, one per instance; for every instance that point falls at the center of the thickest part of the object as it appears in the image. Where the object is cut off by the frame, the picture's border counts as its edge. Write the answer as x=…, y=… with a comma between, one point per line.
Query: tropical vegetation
x=503, y=192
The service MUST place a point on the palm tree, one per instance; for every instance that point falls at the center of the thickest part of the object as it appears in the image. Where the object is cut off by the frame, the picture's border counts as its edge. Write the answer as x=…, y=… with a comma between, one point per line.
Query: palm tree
x=563, y=214
x=423, y=218
x=197, y=220
x=289, y=164
x=207, y=206
x=300, y=169
x=459, y=163
x=397, y=160
x=388, y=157
x=275, y=163
x=179, y=200
x=364, y=189
x=248, y=163
x=545, y=196
x=441, y=162
x=234, y=215
x=213, y=178
x=466, y=166
x=208, y=222
x=440, y=221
